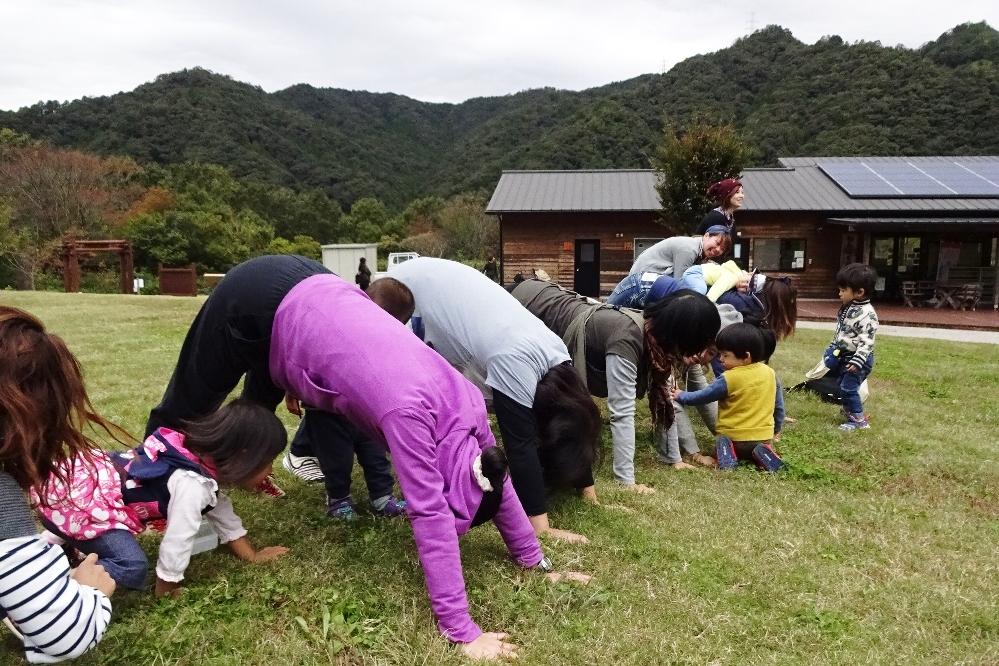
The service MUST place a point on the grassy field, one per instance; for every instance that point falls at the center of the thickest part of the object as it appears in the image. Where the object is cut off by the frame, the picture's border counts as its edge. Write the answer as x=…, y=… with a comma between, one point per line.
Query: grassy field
x=876, y=547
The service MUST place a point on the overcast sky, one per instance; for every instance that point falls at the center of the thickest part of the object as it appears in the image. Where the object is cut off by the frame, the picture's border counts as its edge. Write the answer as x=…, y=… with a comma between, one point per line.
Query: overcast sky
x=432, y=50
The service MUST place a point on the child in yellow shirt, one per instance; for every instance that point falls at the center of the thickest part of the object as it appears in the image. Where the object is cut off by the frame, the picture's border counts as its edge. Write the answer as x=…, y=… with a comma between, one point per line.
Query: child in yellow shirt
x=750, y=403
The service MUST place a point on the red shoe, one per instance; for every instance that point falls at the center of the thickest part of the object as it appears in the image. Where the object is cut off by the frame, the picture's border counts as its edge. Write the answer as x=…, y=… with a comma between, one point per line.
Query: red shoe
x=270, y=488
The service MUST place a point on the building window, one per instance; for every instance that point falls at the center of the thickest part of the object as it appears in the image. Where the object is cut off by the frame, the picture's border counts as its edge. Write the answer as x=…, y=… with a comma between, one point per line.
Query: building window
x=779, y=254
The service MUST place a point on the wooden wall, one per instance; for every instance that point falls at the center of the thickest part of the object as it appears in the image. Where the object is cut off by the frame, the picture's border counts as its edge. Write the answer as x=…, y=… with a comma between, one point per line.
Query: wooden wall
x=547, y=241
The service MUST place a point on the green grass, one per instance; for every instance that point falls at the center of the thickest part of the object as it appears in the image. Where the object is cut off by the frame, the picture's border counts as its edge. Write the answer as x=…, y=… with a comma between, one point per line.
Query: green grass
x=876, y=547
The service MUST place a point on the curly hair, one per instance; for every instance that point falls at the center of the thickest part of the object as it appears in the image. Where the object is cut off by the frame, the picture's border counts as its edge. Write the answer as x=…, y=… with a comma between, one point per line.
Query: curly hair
x=44, y=407
x=682, y=324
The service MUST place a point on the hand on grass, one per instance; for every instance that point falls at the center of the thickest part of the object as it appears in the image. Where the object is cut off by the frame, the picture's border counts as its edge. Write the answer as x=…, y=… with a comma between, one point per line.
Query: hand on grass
x=92, y=574
x=490, y=645
x=569, y=577
x=269, y=553
x=638, y=488
x=589, y=493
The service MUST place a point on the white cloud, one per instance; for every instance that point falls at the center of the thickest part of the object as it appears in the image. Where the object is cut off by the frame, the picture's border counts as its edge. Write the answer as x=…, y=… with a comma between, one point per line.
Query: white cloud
x=433, y=50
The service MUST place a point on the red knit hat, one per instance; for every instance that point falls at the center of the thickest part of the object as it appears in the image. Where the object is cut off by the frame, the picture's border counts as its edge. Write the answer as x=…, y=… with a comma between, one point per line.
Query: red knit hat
x=723, y=189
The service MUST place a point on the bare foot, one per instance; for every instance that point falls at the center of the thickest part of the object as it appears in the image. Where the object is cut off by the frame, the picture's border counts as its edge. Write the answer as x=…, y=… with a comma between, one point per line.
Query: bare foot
x=566, y=535
x=681, y=465
x=618, y=507
x=639, y=488
x=706, y=461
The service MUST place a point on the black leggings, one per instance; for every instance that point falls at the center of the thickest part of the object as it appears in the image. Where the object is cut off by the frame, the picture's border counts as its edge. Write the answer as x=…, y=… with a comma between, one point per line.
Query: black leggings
x=519, y=430
x=231, y=337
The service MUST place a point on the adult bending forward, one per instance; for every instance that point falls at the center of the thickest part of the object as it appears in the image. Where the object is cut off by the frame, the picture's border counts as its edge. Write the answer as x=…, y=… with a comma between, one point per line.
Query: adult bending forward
x=549, y=423
x=335, y=349
x=625, y=353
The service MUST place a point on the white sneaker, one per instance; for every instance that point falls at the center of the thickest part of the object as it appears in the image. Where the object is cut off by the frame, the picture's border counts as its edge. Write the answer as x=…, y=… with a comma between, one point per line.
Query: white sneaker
x=304, y=467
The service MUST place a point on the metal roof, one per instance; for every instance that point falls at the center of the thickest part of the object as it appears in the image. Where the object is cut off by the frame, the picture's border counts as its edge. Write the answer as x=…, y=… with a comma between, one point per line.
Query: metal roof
x=798, y=185
x=802, y=186
x=909, y=221
x=552, y=191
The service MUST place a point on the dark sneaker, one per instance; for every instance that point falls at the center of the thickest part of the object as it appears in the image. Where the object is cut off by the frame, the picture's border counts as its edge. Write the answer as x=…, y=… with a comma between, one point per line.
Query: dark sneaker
x=767, y=459
x=394, y=507
x=270, y=488
x=725, y=453
x=341, y=509
x=304, y=467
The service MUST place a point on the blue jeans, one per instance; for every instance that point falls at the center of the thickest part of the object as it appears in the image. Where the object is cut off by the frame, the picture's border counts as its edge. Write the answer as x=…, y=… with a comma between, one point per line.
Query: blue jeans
x=117, y=551
x=635, y=292
x=631, y=292
x=849, y=384
x=693, y=278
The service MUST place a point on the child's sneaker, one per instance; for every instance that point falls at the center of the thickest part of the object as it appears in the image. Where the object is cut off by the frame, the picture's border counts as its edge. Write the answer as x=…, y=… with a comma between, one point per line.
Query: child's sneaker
x=855, y=422
x=341, y=509
x=304, y=467
x=393, y=507
x=725, y=453
x=157, y=525
x=270, y=488
x=766, y=458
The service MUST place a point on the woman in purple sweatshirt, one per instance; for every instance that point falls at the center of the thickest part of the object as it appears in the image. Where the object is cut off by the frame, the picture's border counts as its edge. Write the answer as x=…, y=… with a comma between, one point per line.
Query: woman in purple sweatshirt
x=300, y=330
x=392, y=386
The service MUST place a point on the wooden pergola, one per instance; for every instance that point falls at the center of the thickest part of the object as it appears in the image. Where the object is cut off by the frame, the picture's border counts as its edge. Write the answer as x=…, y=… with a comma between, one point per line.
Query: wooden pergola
x=72, y=250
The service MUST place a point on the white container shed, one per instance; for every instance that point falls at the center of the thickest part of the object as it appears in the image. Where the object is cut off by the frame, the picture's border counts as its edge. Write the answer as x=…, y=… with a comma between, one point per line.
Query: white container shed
x=343, y=258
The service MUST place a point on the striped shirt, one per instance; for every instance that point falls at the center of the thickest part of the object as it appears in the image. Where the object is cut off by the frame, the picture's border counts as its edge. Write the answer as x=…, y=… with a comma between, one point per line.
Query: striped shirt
x=57, y=617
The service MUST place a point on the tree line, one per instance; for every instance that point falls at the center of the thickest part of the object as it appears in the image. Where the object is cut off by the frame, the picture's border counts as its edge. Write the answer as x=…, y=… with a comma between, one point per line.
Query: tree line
x=199, y=213
x=784, y=97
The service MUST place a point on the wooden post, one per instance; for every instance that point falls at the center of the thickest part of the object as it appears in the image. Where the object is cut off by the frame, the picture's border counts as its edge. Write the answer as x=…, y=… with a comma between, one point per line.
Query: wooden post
x=127, y=268
x=70, y=268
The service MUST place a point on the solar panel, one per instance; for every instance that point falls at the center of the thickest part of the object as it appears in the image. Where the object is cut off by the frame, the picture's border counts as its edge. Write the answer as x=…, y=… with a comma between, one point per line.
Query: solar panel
x=914, y=177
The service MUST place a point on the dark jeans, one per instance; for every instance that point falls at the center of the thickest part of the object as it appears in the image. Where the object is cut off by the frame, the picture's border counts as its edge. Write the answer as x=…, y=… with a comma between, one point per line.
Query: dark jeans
x=335, y=441
x=231, y=337
x=117, y=551
x=849, y=384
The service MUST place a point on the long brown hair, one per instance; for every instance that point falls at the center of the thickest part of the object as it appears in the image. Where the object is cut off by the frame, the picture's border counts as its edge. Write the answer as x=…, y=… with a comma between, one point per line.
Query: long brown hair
x=44, y=407
x=780, y=299
x=240, y=439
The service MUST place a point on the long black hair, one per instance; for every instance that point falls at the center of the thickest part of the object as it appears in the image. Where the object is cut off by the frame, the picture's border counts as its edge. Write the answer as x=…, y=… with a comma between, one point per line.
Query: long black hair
x=682, y=324
x=240, y=439
x=568, y=427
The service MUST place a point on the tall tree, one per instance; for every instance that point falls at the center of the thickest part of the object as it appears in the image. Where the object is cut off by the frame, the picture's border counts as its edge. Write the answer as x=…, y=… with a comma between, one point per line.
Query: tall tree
x=687, y=161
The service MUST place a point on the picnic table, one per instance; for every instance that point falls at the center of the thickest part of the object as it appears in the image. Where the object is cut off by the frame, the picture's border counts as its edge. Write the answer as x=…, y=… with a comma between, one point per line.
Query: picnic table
x=958, y=295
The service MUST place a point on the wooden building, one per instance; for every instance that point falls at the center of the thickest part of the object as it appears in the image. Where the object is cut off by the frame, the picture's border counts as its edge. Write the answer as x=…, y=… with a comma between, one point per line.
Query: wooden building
x=805, y=218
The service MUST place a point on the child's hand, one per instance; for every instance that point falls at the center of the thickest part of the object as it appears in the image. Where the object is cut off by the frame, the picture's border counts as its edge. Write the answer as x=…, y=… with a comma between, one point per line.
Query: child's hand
x=92, y=574
x=675, y=393
x=776, y=437
x=852, y=368
x=269, y=553
x=569, y=577
x=292, y=404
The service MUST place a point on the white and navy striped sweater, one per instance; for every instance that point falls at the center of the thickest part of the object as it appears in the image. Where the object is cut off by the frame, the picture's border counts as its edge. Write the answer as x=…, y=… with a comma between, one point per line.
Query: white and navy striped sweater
x=58, y=618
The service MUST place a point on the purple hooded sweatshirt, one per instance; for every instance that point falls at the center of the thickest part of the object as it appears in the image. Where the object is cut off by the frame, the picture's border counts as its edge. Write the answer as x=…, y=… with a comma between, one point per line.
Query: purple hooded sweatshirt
x=333, y=348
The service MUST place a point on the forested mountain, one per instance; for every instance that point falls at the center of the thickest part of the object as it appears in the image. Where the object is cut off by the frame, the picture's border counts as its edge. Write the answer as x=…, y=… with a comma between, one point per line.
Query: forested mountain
x=786, y=97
